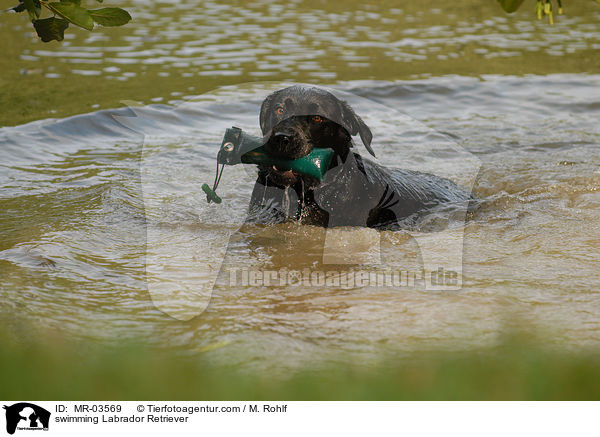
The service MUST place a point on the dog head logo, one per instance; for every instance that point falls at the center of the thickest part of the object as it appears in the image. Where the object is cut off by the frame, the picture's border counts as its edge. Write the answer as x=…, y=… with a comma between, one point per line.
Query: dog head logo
x=26, y=416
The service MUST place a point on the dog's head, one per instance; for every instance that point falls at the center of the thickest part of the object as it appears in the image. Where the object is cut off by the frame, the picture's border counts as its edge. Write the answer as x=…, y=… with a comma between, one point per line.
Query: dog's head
x=297, y=119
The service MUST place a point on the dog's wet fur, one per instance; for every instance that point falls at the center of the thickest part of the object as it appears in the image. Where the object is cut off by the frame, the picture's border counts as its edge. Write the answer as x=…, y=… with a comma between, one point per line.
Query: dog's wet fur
x=355, y=191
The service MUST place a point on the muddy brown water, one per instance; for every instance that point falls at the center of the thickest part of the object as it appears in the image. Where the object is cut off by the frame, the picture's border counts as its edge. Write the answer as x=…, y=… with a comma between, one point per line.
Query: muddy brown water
x=105, y=233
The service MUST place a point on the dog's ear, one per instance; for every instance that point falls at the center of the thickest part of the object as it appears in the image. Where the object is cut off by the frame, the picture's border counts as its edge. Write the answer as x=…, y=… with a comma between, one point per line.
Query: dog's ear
x=341, y=142
x=356, y=125
x=265, y=114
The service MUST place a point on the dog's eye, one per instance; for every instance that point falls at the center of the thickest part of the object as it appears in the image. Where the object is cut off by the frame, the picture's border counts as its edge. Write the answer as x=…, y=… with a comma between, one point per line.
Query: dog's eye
x=317, y=118
x=279, y=110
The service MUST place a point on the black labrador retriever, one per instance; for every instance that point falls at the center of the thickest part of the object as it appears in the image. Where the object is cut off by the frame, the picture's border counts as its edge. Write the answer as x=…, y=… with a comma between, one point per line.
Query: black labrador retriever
x=355, y=191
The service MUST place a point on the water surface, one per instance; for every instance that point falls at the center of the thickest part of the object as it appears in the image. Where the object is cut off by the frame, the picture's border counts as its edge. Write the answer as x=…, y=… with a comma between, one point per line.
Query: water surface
x=173, y=49
x=101, y=208
x=88, y=205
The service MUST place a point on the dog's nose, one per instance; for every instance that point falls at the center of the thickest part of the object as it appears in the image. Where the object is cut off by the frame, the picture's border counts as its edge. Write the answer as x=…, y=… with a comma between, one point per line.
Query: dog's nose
x=282, y=138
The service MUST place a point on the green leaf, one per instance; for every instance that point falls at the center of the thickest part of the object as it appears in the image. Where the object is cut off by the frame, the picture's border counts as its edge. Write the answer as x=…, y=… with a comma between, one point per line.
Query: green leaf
x=73, y=13
x=33, y=8
x=510, y=5
x=77, y=2
x=49, y=29
x=110, y=16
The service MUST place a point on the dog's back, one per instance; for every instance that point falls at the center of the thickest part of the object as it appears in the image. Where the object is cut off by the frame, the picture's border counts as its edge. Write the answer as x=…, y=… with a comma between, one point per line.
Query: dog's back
x=411, y=195
x=358, y=192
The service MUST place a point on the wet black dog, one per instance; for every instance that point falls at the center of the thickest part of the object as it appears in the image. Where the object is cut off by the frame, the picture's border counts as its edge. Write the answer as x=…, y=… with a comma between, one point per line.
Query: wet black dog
x=355, y=191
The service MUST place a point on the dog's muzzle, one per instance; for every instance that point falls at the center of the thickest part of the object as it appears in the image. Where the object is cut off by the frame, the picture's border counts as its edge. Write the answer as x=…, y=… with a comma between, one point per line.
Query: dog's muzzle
x=281, y=141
